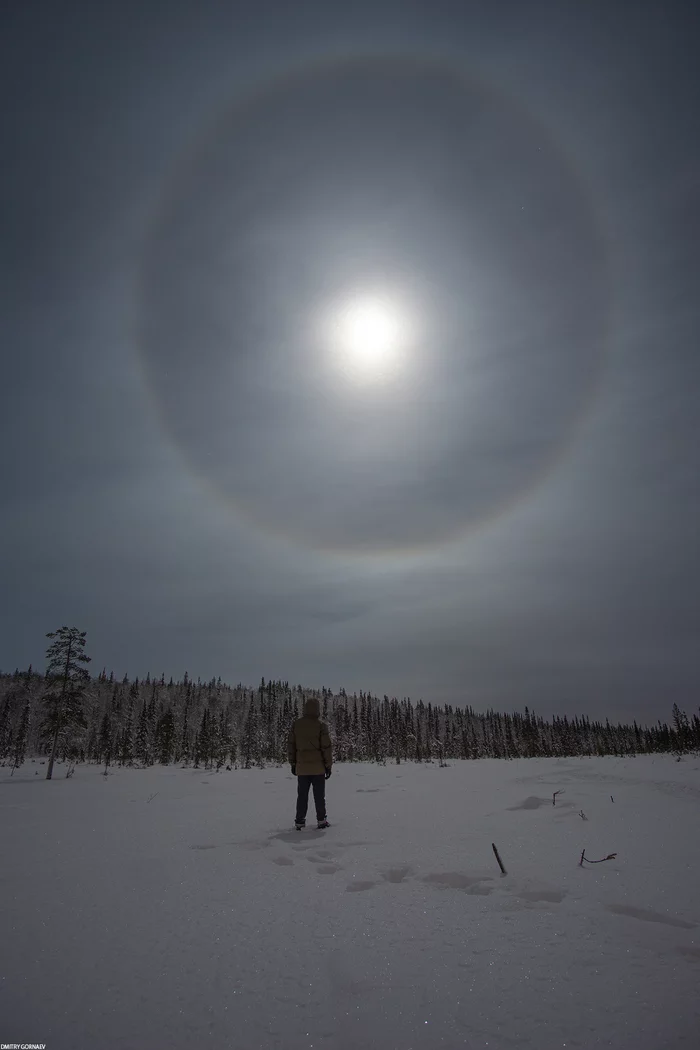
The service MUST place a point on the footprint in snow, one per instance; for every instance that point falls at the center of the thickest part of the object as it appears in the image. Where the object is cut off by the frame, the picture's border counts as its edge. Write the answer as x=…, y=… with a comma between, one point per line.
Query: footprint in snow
x=646, y=915
x=479, y=890
x=473, y=884
x=282, y=861
x=531, y=802
x=689, y=951
x=327, y=869
x=548, y=896
x=358, y=887
x=291, y=837
x=534, y=802
x=396, y=875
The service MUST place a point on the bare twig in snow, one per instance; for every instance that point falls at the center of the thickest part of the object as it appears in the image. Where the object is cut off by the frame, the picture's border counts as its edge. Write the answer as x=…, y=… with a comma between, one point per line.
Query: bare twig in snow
x=610, y=856
x=498, y=858
x=554, y=796
x=151, y=797
x=582, y=815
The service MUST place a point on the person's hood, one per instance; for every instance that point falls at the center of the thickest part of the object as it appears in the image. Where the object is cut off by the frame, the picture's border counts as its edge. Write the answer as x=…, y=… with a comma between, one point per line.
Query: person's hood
x=312, y=707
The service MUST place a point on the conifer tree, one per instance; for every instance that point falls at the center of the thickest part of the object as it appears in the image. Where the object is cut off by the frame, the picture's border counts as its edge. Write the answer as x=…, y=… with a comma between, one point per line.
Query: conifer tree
x=223, y=738
x=6, y=725
x=419, y=744
x=126, y=749
x=106, y=741
x=143, y=744
x=203, y=741
x=681, y=726
x=166, y=736
x=68, y=679
x=19, y=750
x=251, y=743
x=184, y=749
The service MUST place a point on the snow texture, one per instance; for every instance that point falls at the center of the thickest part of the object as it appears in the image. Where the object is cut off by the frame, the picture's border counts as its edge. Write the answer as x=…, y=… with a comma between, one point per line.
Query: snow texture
x=175, y=908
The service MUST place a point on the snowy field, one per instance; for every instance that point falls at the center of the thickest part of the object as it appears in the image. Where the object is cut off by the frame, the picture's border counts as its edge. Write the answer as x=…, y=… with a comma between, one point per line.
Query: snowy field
x=170, y=908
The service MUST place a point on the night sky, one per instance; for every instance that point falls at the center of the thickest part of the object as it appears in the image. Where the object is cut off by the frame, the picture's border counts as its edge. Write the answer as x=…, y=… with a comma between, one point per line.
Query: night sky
x=489, y=493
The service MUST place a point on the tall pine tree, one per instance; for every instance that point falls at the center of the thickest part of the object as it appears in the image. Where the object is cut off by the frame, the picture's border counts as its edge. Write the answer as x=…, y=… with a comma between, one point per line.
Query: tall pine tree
x=68, y=679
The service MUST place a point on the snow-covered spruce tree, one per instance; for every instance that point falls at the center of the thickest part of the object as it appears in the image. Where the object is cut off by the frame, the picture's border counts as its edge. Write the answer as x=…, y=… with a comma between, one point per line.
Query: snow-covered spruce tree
x=681, y=729
x=223, y=737
x=214, y=738
x=143, y=747
x=695, y=730
x=183, y=753
x=152, y=717
x=250, y=754
x=418, y=754
x=106, y=740
x=203, y=742
x=126, y=740
x=19, y=750
x=68, y=678
x=165, y=736
x=6, y=733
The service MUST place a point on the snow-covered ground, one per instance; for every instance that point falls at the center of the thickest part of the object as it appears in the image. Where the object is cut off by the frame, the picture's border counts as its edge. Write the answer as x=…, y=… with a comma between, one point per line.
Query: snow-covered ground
x=168, y=908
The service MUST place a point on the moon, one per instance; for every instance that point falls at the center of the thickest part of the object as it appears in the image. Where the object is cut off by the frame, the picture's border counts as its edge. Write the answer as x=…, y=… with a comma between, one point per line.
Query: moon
x=368, y=337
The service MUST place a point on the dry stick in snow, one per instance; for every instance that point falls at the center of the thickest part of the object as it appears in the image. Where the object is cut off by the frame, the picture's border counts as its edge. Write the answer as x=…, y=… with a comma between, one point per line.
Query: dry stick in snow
x=554, y=796
x=151, y=797
x=612, y=799
x=498, y=858
x=582, y=815
x=610, y=856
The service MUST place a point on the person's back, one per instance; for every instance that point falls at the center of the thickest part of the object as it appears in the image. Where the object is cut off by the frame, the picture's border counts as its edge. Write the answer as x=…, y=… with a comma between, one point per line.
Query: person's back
x=311, y=758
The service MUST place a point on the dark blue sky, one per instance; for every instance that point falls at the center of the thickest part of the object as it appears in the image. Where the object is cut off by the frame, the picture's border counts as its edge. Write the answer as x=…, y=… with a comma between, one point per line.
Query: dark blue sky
x=187, y=473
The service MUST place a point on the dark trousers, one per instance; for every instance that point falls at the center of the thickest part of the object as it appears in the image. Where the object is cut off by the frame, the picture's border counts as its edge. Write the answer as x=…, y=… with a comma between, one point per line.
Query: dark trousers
x=318, y=782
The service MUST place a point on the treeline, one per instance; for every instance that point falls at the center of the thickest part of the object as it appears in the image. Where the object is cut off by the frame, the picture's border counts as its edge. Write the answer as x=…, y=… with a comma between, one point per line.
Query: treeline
x=214, y=725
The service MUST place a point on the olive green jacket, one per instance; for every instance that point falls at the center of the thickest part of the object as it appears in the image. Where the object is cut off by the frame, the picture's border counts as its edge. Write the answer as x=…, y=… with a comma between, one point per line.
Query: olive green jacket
x=309, y=744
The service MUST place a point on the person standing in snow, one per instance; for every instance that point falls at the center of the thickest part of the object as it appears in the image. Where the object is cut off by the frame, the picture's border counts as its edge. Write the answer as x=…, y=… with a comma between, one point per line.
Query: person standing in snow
x=311, y=758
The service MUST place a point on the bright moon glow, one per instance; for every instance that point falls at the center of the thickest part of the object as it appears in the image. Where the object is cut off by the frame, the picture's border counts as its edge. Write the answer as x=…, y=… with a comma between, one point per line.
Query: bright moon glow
x=369, y=333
